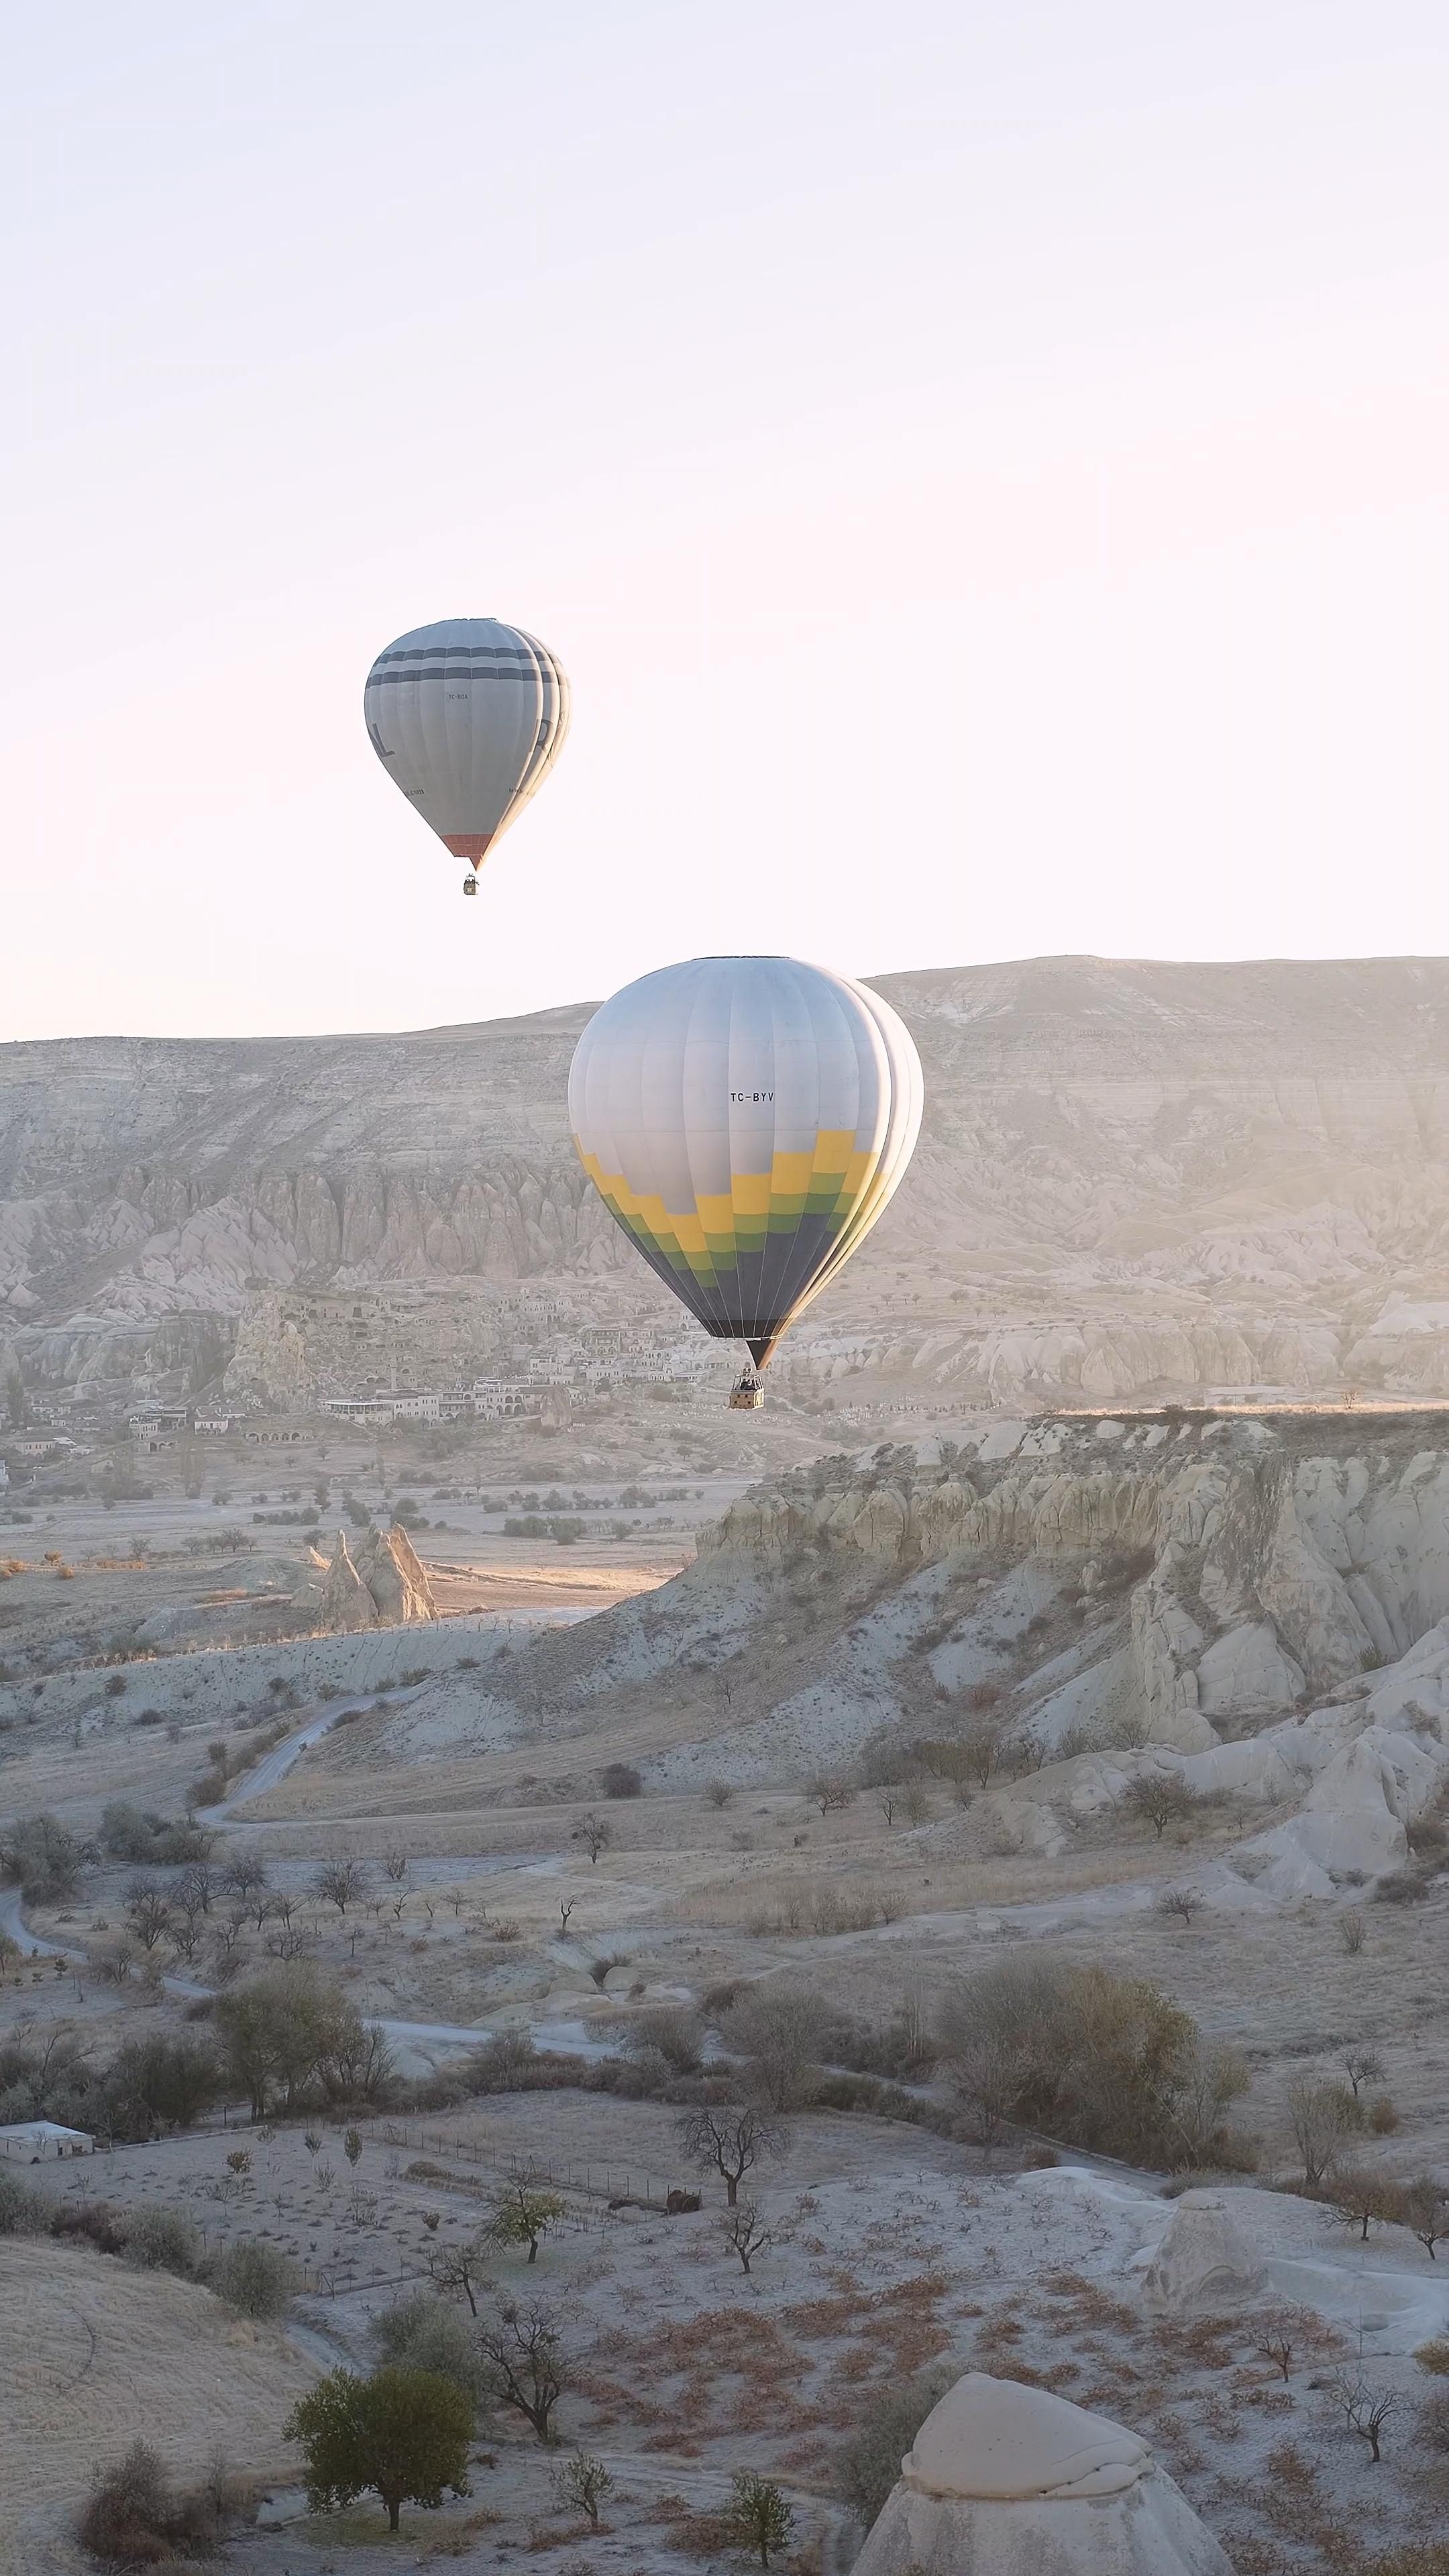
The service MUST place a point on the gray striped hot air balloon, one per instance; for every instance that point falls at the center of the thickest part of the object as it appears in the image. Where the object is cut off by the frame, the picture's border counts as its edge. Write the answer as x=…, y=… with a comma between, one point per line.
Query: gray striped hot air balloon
x=468, y=718
x=746, y=1120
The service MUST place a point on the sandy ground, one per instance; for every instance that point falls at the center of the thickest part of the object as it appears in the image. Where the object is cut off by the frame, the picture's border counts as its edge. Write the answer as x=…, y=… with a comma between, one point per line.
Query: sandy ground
x=887, y=2251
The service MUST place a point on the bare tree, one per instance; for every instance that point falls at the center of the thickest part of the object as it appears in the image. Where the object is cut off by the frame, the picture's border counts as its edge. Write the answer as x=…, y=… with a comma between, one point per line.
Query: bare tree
x=987, y=2075
x=566, y=1906
x=459, y=2267
x=340, y=1882
x=148, y=1914
x=732, y=2142
x=888, y=1799
x=1363, y=2199
x=586, y=2484
x=1321, y=2117
x=1183, y=1901
x=526, y=2363
x=1280, y=2334
x=395, y=1864
x=595, y=1833
x=745, y=2232
x=1362, y=2065
x=1425, y=2211
x=244, y=1874
x=917, y=1801
x=980, y=1745
x=781, y=2029
x=189, y=1907
x=195, y=1888
x=1366, y=2409
x=830, y=1791
x=1160, y=1798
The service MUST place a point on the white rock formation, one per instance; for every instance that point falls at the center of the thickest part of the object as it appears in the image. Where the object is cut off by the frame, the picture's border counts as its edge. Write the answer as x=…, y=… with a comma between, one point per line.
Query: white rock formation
x=383, y=1586
x=1203, y=2264
x=1010, y=2481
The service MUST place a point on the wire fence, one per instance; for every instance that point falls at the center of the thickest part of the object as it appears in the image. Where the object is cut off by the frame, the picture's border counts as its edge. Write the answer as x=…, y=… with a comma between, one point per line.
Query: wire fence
x=607, y=2182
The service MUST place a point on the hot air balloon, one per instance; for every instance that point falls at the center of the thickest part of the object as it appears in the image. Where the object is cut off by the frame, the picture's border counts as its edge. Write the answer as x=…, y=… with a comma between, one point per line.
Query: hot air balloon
x=745, y=1120
x=468, y=717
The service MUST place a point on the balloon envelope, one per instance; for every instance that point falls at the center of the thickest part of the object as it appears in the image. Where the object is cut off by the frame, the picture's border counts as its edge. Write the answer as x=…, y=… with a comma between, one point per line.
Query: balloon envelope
x=468, y=718
x=746, y=1120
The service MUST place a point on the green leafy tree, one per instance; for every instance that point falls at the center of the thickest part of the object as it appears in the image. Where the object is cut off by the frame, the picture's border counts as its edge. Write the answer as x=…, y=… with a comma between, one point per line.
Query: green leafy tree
x=402, y=2435
x=760, y=2520
x=524, y=2217
x=286, y=2030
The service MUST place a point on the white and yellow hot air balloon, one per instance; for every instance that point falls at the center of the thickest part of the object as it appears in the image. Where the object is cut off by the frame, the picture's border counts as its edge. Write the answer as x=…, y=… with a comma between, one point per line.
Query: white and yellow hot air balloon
x=468, y=718
x=746, y=1120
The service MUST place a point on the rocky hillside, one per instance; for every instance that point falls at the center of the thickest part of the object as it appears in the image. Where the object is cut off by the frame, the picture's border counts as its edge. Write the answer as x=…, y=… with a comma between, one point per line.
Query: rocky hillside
x=1134, y=1178
x=1040, y=1611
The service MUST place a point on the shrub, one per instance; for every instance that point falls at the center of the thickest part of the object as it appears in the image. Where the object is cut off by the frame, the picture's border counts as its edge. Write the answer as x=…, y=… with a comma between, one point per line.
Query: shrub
x=38, y=1851
x=23, y=2212
x=421, y=2332
x=1404, y=1886
x=780, y=2030
x=1321, y=2116
x=621, y=1780
x=162, y=2240
x=1160, y=1798
x=670, y=2035
x=584, y=2483
x=254, y=2278
x=870, y=2462
x=1434, y=2421
x=134, y=2518
x=759, y=2518
x=1097, y=2060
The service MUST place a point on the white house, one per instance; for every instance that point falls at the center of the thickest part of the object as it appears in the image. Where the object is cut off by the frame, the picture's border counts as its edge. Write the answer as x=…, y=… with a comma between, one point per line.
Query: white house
x=36, y=2139
x=494, y=1400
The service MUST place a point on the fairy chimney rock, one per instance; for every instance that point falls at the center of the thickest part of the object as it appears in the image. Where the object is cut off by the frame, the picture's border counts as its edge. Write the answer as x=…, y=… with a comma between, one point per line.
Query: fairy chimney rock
x=1004, y=2480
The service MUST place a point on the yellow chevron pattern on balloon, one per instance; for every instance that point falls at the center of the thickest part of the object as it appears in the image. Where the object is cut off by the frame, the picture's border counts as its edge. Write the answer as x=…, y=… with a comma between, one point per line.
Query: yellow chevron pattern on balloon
x=713, y=1234
x=745, y=1120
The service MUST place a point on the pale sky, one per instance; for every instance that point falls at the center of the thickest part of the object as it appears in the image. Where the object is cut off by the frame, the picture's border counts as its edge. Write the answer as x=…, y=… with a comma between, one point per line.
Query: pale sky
x=985, y=470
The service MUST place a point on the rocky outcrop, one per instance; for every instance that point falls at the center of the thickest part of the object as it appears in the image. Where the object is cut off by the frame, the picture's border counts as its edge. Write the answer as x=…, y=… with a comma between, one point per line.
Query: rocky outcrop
x=1004, y=2480
x=1203, y=2264
x=1265, y=1572
x=383, y=1586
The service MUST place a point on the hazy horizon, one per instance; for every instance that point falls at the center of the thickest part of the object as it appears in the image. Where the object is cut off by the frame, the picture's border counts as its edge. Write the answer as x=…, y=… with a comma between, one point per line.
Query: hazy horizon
x=560, y=1007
